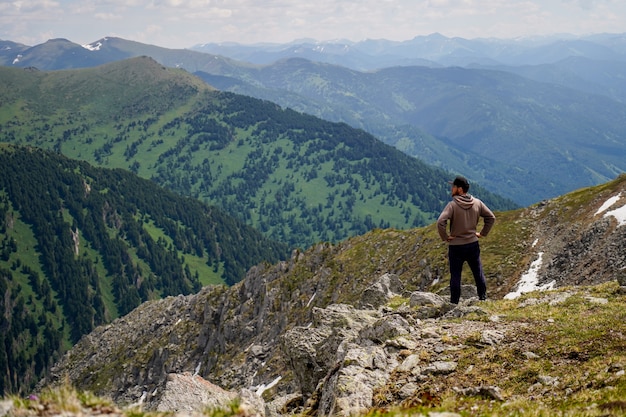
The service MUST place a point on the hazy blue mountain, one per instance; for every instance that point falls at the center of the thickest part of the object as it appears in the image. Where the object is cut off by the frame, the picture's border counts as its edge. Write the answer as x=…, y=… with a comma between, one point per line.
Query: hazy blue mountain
x=10, y=51
x=607, y=78
x=432, y=50
x=58, y=54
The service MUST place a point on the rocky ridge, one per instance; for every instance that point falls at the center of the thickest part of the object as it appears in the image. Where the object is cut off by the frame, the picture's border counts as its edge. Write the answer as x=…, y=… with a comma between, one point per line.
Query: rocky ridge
x=340, y=329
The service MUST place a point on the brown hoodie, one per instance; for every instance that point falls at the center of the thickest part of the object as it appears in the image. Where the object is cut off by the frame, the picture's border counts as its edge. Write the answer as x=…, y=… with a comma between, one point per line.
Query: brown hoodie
x=464, y=212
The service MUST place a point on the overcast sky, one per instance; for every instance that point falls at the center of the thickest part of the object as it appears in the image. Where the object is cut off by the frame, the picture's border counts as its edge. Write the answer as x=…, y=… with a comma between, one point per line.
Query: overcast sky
x=184, y=23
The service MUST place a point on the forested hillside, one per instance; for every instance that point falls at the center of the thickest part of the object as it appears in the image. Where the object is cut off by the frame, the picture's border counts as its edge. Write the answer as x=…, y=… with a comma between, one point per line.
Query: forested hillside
x=80, y=246
x=296, y=178
x=523, y=139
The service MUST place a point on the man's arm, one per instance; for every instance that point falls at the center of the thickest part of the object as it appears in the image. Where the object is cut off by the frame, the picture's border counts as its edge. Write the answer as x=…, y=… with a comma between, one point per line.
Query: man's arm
x=442, y=222
x=489, y=219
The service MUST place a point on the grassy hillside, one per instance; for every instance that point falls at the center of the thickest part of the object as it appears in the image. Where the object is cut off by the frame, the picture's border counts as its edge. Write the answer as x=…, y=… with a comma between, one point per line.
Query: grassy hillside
x=296, y=178
x=80, y=246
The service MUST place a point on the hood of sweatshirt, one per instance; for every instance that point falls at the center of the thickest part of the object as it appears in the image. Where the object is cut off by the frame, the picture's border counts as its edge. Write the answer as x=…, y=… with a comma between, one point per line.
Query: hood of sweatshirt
x=464, y=201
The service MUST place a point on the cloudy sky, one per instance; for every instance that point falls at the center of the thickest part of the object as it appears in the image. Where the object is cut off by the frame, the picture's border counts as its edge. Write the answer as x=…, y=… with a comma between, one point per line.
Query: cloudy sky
x=184, y=23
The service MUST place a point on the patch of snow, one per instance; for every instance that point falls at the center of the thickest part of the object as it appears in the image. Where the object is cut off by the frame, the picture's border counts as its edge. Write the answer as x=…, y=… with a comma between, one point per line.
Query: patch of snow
x=262, y=388
x=529, y=280
x=311, y=299
x=619, y=213
x=17, y=59
x=93, y=46
x=608, y=203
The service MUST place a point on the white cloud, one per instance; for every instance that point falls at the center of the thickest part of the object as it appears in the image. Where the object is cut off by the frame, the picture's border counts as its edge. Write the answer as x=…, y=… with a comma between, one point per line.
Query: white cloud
x=184, y=23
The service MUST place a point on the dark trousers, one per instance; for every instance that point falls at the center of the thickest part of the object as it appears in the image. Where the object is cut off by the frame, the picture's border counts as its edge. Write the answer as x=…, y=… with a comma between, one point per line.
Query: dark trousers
x=459, y=254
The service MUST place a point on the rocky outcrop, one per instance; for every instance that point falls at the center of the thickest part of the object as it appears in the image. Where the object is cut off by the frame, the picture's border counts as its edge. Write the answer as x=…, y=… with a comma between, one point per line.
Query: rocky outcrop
x=340, y=328
x=338, y=361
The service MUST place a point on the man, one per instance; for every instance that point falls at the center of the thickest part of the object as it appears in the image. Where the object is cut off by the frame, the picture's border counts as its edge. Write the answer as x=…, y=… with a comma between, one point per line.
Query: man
x=463, y=212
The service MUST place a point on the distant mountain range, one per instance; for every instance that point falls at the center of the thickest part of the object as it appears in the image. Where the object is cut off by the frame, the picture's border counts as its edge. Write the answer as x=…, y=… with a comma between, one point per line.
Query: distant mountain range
x=434, y=50
x=527, y=118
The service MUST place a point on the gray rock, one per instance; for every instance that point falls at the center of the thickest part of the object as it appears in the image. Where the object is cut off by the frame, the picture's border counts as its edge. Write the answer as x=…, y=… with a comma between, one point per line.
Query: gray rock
x=462, y=311
x=440, y=368
x=369, y=357
x=350, y=391
x=187, y=393
x=402, y=342
x=288, y=404
x=467, y=291
x=548, y=380
x=312, y=351
x=389, y=327
x=530, y=355
x=490, y=392
x=420, y=298
x=5, y=407
x=597, y=300
x=381, y=291
x=410, y=364
x=491, y=337
x=407, y=390
x=251, y=405
x=303, y=350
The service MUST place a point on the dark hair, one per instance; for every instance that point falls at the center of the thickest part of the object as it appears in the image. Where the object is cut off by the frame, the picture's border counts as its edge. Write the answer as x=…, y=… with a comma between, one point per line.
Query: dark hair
x=462, y=182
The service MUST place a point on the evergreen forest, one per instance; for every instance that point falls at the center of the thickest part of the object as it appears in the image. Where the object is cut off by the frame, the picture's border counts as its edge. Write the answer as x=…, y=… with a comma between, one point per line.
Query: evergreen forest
x=81, y=246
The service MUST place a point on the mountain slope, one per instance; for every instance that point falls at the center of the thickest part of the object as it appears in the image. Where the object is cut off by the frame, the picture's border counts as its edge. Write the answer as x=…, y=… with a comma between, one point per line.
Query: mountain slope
x=81, y=246
x=57, y=54
x=524, y=139
x=350, y=309
x=295, y=177
x=607, y=78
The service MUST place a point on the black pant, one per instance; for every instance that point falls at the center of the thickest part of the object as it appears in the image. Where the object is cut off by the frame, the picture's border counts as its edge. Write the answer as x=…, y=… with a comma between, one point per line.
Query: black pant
x=459, y=254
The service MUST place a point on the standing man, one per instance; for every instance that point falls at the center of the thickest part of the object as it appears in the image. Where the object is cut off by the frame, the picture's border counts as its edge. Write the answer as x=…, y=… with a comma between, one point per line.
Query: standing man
x=463, y=212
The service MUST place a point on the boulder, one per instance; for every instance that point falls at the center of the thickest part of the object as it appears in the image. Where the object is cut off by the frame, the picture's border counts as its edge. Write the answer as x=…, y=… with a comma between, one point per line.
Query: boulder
x=381, y=291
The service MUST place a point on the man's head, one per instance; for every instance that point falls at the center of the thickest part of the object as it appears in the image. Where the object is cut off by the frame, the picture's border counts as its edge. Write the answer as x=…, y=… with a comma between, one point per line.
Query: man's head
x=461, y=184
